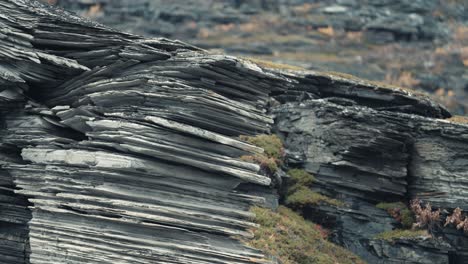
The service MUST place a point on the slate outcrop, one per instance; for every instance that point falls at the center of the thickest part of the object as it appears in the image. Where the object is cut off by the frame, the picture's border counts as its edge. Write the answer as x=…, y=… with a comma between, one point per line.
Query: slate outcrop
x=116, y=148
x=421, y=44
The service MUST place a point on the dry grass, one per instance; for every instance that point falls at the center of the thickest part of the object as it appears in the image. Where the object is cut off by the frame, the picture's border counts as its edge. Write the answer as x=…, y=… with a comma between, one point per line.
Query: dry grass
x=459, y=119
x=461, y=33
x=398, y=83
x=328, y=31
x=355, y=36
x=293, y=240
x=305, y=9
x=378, y=84
x=402, y=234
x=311, y=57
x=404, y=79
x=94, y=10
x=215, y=38
x=273, y=65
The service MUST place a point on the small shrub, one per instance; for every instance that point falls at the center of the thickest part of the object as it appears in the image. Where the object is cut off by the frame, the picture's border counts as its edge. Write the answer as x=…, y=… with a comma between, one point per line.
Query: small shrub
x=304, y=197
x=425, y=216
x=293, y=240
x=401, y=234
x=457, y=219
x=400, y=212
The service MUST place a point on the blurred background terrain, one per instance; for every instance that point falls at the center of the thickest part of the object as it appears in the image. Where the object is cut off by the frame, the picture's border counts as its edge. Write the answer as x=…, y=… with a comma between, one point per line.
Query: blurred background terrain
x=422, y=44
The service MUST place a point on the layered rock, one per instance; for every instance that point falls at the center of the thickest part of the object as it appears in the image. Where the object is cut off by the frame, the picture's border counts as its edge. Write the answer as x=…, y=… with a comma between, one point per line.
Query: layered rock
x=136, y=160
x=364, y=156
x=438, y=167
x=128, y=149
x=413, y=43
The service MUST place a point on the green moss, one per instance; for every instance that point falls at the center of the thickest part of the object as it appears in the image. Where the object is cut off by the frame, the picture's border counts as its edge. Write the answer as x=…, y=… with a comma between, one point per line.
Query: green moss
x=402, y=234
x=400, y=212
x=273, y=152
x=304, y=197
x=271, y=144
x=407, y=218
x=388, y=206
x=299, y=178
x=293, y=240
x=299, y=195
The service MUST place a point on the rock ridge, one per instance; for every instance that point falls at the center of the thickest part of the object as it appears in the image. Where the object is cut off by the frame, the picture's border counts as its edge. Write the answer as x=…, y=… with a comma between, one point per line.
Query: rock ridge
x=115, y=148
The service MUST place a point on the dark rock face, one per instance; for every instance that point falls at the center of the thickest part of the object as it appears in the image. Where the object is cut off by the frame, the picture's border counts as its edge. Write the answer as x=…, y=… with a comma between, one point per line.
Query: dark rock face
x=126, y=149
x=438, y=154
x=349, y=151
x=363, y=157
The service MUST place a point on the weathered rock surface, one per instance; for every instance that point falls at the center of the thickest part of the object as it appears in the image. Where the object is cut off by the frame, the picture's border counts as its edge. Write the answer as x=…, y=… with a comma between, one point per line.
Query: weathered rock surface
x=126, y=149
x=134, y=160
x=421, y=44
x=364, y=156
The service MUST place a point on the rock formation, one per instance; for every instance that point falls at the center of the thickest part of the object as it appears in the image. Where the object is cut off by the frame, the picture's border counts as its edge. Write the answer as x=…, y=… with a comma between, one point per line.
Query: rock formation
x=416, y=43
x=121, y=149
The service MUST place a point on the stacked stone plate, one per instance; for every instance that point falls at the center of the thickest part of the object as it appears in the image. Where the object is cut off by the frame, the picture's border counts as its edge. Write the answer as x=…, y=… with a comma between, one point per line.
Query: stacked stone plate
x=127, y=149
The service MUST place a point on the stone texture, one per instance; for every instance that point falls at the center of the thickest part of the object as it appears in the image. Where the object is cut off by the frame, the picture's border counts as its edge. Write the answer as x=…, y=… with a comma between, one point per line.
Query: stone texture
x=415, y=43
x=126, y=149
x=128, y=146
x=363, y=156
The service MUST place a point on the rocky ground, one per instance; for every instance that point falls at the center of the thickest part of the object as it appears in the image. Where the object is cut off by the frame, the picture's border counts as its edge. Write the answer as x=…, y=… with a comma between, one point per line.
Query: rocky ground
x=418, y=44
x=117, y=148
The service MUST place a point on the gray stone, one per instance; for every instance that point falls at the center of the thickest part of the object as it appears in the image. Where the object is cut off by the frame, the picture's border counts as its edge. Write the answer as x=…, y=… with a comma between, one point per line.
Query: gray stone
x=115, y=148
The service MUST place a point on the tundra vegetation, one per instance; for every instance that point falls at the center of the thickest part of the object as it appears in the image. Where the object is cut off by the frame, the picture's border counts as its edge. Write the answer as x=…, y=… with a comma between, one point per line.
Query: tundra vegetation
x=285, y=234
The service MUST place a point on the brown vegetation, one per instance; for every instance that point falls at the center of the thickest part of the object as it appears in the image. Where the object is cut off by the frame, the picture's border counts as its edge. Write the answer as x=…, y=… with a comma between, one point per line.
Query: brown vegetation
x=458, y=220
x=294, y=240
x=425, y=216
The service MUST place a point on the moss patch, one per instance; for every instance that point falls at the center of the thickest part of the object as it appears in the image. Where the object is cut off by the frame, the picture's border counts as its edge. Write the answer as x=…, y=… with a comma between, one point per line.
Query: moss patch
x=268, y=164
x=402, y=234
x=304, y=197
x=400, y=212
x=387, y=206
x=299, y=178
x=299, y=194
x=273, y=152
x=293, y=240
x=270, y=143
